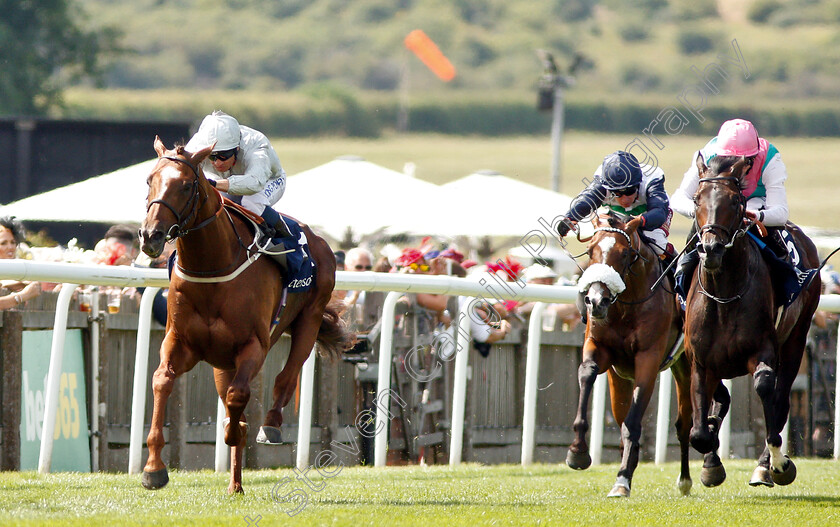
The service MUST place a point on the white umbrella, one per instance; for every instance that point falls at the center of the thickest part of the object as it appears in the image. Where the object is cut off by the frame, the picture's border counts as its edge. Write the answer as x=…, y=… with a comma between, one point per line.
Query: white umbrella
x=117, y=197
x=490, y=204
x=350, y=192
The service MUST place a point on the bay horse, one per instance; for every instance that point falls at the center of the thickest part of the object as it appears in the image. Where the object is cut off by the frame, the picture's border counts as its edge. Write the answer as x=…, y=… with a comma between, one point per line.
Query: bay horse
x=227, y=305
x=632, y=333
x=735, y=325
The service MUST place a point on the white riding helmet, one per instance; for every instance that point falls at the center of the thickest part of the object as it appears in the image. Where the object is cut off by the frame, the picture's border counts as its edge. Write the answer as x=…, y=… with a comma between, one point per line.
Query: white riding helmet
x=221, y=129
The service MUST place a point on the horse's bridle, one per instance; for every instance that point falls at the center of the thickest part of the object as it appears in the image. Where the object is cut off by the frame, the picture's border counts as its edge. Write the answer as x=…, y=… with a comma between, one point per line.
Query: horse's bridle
x=737, y=230
x=637, y=254
x=191, y=207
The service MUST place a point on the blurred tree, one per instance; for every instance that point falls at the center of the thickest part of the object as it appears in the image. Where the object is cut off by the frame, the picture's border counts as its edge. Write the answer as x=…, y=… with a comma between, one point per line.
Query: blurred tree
x=42, y=45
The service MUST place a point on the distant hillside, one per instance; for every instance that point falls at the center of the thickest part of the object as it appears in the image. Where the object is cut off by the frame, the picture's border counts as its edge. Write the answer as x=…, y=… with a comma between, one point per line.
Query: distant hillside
x=792, y=48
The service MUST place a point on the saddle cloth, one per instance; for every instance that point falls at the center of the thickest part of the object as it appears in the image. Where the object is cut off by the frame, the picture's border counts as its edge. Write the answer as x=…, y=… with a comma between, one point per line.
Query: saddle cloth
x=299, y=270
x=789, y=275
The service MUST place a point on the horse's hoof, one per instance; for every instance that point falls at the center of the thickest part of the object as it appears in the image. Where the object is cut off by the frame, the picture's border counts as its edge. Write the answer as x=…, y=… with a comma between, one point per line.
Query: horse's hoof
x=787, y=475
x=619, y=491
x=155, y=480
x=269, y=435
x=235, y=489
x=578, y=460
x=713, y=475
x=684, y=484
x=761, y=476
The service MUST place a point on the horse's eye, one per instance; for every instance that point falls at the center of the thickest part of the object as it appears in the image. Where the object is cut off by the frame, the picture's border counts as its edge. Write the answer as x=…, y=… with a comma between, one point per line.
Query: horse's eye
x=188, y=187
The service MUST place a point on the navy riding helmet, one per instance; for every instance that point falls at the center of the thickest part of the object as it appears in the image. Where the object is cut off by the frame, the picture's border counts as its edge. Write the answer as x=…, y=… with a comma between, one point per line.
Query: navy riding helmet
x=621, y=170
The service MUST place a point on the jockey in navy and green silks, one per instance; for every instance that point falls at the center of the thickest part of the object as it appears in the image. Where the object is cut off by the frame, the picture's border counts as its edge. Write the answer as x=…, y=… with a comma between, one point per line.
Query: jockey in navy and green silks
x=634, y=189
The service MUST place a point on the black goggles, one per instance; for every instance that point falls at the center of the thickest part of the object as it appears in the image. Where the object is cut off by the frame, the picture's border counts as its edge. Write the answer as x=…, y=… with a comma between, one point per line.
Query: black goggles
x=223, y=155
x=629, y=191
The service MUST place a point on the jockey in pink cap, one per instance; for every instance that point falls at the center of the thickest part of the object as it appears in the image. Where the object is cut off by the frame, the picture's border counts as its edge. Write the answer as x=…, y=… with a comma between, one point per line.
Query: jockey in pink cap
x=764, y=189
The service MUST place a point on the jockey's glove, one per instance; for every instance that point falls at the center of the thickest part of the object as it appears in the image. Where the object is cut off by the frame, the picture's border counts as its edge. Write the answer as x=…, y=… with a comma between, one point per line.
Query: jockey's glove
x=564, y=227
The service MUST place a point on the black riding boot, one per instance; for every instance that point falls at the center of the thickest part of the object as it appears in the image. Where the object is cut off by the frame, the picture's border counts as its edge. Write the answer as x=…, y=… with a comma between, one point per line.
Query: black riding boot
x=274, y=225
x=685, y=267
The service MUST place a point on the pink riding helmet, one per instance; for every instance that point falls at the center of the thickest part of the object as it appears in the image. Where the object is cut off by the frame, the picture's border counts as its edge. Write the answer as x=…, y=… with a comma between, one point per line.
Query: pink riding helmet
x=737, y=137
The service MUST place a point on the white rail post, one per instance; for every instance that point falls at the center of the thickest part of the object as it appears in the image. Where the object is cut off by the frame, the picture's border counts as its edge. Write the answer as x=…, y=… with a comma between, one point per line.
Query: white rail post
x=94, y=379
x=54, y=377
x=663, y=415
x=459, y=385
x=141, y=380
x=837, y=400
x=725, y=433
x=532, y=370
x=307, y=384
x=222, y=457
x=599, y=411
x=383, y=387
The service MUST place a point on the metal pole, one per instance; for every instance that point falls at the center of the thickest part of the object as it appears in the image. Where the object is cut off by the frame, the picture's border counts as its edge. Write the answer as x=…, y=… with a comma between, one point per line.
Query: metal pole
x=54, y=377
x=726, y=427
x=307, y=383
x=383, y=387
x=837, y=400
x=141, y=379
x=599, y=410
x=459, y=385
x=663, y=415
x=556, y=138
x=222, y=461
x=532, y=370
x=94, y=376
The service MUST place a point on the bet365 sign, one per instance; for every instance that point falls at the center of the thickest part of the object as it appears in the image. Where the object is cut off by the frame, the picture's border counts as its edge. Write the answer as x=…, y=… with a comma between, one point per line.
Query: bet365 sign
x=71, y=447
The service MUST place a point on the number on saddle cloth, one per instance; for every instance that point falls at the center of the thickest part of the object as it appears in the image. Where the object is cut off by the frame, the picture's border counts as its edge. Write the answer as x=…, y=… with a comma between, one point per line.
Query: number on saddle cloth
x=300, y=267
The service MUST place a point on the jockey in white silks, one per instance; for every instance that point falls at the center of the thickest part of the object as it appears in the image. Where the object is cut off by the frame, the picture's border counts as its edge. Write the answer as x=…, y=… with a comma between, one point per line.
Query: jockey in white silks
x=243, y=165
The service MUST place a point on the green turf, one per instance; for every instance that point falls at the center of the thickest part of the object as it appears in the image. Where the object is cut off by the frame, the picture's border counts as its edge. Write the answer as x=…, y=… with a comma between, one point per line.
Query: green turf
x=469, y=495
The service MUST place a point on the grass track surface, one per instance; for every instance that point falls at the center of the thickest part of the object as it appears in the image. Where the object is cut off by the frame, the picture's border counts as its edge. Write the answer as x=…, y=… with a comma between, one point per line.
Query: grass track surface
x=470, y=495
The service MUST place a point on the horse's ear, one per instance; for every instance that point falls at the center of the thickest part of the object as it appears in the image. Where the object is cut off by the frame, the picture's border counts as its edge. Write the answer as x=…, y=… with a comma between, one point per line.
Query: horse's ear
x=159, y=148
x=701, y=166
x=197, y=157
x=632, y=225
x=737, y=169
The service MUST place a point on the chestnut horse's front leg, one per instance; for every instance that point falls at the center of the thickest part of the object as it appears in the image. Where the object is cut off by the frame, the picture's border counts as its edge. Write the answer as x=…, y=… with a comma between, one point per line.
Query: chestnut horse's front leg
x=235, y=390
x=632, y=400
x=594, y=362
x=174, y=361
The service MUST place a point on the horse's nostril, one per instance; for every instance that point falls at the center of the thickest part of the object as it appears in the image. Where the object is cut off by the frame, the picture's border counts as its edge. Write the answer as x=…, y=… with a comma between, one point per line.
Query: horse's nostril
x=587, y=301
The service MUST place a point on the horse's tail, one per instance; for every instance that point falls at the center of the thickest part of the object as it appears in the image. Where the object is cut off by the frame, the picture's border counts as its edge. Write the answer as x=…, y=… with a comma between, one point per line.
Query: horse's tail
x=334, y=337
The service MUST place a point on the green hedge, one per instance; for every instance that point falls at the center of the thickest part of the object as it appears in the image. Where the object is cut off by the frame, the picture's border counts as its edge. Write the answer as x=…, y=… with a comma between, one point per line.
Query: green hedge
x=330, y=110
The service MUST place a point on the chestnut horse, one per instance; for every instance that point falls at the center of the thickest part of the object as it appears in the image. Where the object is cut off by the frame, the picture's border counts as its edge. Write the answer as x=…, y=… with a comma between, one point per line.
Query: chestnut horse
x=224, y=303
x=632, y=333
x=735, y=325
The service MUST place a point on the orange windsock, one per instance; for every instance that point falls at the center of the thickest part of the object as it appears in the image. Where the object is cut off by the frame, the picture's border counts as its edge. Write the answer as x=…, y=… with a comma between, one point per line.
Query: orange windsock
x=427, y=51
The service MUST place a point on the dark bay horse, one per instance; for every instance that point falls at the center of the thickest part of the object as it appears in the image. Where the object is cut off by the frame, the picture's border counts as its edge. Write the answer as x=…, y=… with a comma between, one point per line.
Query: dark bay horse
x=631, y=332
x=735, y=325
x=223, y=301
